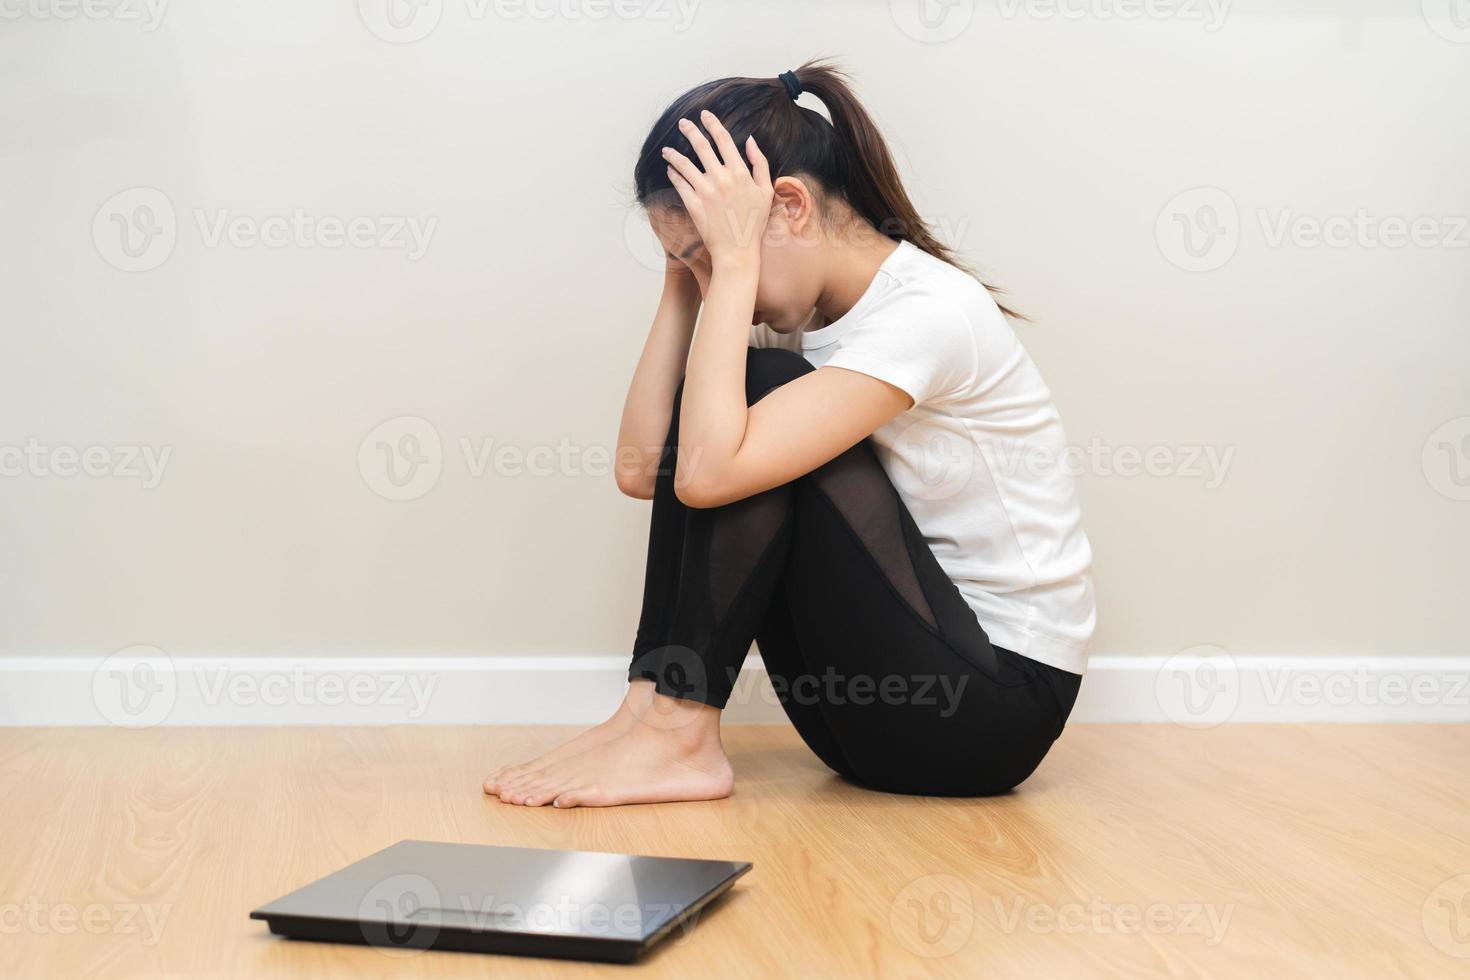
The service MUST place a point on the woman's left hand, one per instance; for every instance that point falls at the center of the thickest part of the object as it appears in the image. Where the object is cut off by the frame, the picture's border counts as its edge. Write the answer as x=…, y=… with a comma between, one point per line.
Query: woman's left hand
x=728, y=202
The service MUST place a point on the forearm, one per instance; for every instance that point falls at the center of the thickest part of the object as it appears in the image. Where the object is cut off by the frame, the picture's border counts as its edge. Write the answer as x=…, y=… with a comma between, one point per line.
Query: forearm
x=650, y=401
x=712, y=417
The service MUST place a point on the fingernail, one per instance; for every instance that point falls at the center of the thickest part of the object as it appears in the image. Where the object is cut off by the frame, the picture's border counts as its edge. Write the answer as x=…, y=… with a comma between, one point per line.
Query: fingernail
x=685, y=122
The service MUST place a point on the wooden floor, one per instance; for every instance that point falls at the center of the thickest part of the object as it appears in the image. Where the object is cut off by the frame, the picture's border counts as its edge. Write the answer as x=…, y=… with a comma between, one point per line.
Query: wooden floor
x=1135, y=851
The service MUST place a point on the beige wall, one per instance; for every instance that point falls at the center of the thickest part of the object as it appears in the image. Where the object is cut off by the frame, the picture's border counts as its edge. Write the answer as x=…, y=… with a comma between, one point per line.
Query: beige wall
x=1051, y=147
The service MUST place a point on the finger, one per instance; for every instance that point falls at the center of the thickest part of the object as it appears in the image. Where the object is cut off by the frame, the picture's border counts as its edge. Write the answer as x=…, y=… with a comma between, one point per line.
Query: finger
x=686, y=193
x=685, y=168
x=760, y=167
x=726, y=145
x=702, y=149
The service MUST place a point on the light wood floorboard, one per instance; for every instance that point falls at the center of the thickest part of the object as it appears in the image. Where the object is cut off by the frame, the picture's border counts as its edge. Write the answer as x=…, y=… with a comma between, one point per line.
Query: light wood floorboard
x=1253, y=851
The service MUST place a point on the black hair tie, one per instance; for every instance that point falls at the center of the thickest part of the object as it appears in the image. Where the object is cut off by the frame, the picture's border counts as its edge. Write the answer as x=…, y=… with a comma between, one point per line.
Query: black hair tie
x=793, y=85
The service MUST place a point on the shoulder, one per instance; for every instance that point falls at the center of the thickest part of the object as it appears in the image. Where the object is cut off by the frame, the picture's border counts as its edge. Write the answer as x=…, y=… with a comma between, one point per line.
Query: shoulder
x=945, y=290
x=930, y=299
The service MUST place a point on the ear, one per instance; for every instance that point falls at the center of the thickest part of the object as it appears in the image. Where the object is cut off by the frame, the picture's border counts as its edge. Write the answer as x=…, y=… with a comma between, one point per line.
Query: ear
x=795, y=202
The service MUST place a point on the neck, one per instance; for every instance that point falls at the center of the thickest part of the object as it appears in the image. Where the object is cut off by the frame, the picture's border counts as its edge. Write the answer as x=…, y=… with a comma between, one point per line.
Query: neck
x=850, y=270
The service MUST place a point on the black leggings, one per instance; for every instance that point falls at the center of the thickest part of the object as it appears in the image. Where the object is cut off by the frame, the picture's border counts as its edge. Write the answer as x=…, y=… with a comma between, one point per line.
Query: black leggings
x=874, y=654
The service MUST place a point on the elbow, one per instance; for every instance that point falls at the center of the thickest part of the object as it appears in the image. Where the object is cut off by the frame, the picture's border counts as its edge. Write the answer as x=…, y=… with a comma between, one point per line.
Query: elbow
x=700, y=492
x=696, y=496
x=635, y=484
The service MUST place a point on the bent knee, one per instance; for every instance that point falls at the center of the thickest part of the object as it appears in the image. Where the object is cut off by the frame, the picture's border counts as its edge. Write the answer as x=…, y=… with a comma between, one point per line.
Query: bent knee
x=771, y=367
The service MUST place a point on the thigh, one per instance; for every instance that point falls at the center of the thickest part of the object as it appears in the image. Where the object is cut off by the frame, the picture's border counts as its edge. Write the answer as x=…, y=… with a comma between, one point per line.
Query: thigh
x=785, y=667
x=907, y=684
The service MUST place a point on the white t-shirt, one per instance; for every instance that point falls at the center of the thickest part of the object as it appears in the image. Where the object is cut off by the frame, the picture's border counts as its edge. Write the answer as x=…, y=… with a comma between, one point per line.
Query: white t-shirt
x=980, y=459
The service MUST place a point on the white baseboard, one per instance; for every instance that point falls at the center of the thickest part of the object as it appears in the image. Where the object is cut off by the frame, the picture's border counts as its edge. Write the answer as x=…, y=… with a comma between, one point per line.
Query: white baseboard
x=1203, y=687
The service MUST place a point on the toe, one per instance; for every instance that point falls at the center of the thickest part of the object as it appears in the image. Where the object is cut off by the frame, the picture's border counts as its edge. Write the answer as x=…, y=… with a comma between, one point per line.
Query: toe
x=541, y=793
x=520, y=790
x=582, y=796
x=498, y=779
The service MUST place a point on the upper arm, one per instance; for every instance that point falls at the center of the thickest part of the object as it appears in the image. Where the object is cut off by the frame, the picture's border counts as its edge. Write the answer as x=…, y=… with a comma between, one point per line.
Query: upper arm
x=795, y=429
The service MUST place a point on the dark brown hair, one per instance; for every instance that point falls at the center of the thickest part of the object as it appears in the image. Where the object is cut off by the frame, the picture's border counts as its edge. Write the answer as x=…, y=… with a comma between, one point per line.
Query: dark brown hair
x=846, y=157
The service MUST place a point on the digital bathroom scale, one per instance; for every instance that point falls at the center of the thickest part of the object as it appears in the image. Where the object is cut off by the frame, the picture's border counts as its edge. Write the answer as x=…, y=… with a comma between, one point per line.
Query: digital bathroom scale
x=582, y=905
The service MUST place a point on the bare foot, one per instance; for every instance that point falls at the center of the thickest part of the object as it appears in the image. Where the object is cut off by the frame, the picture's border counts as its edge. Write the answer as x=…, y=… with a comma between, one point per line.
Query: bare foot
x=635, y=704
x=674, y=754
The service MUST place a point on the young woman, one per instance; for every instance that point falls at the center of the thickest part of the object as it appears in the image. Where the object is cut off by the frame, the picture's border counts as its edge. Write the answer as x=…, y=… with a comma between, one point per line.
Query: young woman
x=871, y=511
